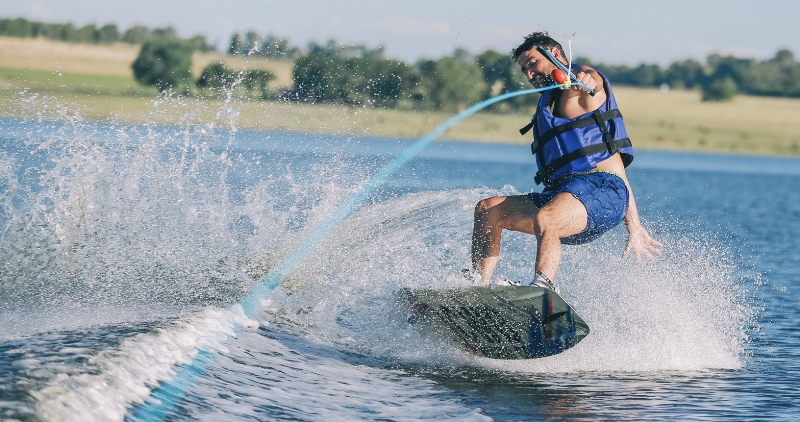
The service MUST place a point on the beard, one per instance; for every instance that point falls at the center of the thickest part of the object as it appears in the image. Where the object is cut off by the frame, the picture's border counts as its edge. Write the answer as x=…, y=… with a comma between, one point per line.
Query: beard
x=542, y=81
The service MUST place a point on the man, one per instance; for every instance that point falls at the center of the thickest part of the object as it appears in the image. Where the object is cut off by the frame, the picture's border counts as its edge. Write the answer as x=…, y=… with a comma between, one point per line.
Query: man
x=582, y=149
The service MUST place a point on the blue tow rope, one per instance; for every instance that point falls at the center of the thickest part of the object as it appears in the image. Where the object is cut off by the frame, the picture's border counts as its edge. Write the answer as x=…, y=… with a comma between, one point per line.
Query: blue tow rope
x=164, y=398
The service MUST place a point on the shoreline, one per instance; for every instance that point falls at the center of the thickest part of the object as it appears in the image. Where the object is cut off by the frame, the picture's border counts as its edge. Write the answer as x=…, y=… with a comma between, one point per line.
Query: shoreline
x=44, y=78
x=690, y=127
x=672, y=121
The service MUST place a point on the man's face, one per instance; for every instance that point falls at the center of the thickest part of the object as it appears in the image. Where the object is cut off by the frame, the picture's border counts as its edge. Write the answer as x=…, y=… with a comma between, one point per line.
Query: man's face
x=536, y=67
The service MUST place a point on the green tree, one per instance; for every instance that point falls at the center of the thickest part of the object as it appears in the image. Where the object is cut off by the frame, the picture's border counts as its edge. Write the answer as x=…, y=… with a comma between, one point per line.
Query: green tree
x=783, y=58
x=494, y=69
x=69, y=33
x=17, y=27
x=47, y=30
x=199, y=43
x=165, y=64
x=108, y=34
x=137, y=35
x=251, y=43
x=686, y=74
x=501, y=74
x=258, y=80
x=235, y=45
x=739, y=70
x=719, y=89
x=642, y=75
x=365, y=80
x=219, y=77
x=87, y=34
x=775, y=77
x=216, y=76
x=319, y=77
x=376, y=81
x=167, y=33
x=333, y=49
x=278, y=48
x=450, y=83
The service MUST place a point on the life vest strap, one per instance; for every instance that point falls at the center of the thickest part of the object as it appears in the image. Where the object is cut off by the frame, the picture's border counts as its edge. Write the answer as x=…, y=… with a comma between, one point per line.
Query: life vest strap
x=613, y=146
x=527, y=128
x=595, y=119
x=607, y=137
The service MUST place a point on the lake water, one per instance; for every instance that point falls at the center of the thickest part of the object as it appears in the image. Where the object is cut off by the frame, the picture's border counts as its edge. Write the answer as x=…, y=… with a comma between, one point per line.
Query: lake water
x=124, y=250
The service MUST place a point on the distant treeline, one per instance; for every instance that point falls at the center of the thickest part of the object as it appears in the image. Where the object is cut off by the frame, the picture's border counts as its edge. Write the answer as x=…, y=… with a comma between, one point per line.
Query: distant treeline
x=253, y=44
x=358, y=75
x=91, y=34
x=719, y=78
x=355, y=74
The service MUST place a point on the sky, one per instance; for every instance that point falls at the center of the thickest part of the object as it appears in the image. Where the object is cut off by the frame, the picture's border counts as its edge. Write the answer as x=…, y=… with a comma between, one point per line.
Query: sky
x=610, y=31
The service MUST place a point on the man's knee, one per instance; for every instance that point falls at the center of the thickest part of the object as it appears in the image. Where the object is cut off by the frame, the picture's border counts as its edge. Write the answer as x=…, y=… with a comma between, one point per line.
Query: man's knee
x=546, y=220
x=541, y=222
x=488, y=205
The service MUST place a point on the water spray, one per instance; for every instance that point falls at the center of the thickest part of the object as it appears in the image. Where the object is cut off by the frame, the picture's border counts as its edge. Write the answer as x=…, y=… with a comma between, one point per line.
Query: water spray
x=164, y=398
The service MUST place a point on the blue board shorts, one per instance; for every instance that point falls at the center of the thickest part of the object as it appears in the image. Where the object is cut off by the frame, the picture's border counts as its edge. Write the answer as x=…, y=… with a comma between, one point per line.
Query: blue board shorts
x=604, y=195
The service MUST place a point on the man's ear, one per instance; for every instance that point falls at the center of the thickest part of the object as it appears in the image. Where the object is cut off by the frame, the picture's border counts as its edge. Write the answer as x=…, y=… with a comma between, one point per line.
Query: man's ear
x=556, y=53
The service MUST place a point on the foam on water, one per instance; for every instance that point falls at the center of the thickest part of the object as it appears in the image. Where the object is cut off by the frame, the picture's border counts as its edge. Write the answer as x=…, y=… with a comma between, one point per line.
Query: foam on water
x=268, y=376
x=143, y=219
x=119, y=223
x=687, y=310
x=125, y=374
x=104, y=223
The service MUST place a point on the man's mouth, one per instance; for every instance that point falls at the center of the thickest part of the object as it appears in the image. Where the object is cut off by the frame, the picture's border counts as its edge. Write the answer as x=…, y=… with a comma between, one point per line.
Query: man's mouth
x=541, y=81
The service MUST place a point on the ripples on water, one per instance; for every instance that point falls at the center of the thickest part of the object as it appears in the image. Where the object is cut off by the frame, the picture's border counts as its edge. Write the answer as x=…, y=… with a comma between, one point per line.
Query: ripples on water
x=124, y=249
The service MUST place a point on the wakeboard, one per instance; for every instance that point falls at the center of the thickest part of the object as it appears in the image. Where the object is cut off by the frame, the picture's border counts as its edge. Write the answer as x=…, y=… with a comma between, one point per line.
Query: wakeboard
x=521, y=322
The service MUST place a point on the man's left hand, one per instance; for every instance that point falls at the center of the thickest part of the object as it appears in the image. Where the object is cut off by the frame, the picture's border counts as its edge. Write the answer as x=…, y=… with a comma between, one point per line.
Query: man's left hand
x=641, y=244
x=587, y=79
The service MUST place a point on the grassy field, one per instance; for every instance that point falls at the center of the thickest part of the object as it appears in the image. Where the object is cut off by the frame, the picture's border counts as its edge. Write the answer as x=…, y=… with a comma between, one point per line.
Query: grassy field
x=114, y=60
x=38, y=77
x=678, y=120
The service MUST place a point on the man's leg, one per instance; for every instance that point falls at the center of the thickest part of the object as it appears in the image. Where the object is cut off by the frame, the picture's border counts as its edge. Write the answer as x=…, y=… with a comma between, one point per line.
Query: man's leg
x=563, y=216
x=492, y=215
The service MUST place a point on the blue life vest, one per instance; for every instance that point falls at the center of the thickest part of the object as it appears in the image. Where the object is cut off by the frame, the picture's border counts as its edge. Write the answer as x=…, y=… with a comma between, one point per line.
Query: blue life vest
x=567, y=146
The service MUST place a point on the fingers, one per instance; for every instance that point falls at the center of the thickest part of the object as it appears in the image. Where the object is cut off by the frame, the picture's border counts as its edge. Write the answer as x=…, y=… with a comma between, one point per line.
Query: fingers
x=656, y=250
x=636, y=252
x=587, y=80
x=654, y=246
x=648, y=249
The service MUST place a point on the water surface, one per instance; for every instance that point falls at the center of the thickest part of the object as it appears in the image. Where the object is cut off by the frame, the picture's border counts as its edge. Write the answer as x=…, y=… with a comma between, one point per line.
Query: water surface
x=124, y=249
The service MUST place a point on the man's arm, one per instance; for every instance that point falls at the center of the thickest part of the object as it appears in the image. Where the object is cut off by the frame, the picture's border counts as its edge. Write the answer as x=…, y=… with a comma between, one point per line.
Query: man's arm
x=639, y=241
x=577, y=101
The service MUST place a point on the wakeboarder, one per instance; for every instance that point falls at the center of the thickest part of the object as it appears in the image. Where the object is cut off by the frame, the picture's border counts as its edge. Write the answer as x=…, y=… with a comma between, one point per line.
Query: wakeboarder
x=581, y=149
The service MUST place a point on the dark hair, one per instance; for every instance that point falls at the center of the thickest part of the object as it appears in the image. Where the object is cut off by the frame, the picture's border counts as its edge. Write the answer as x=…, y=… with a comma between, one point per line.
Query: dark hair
x=535, y=39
